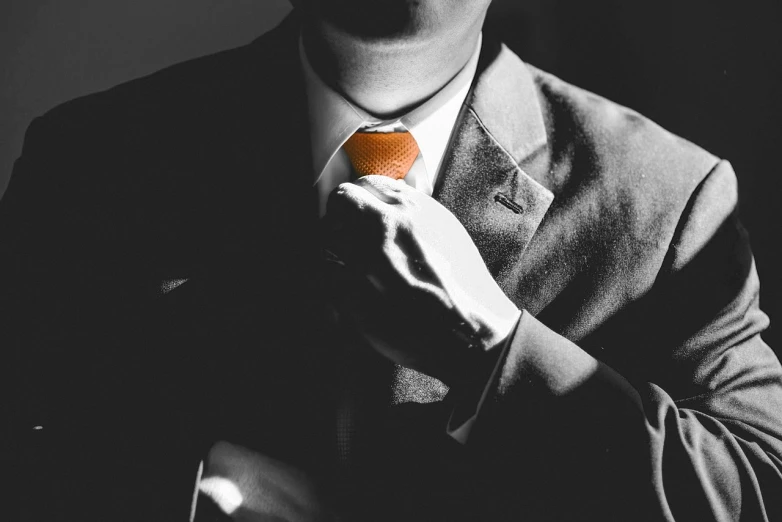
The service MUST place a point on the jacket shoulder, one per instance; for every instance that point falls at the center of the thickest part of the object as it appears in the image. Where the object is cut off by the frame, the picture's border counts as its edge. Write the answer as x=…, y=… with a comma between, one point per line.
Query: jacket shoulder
x=625, y=189
x=166, y=94
x=161, y=127
x=180, y=96
x=623, y=144
x=629, y=167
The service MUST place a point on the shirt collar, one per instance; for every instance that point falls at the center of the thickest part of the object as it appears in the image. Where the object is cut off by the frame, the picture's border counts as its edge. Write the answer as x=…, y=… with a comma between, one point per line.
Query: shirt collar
x=333, y=119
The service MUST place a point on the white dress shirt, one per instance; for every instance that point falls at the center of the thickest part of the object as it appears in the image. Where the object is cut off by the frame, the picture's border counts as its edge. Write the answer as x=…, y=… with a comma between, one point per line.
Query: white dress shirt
x=333, y=119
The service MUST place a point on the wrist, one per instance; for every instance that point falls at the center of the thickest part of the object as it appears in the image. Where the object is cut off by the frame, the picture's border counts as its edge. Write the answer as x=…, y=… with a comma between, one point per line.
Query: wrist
x=477, y=361
x=497, y=316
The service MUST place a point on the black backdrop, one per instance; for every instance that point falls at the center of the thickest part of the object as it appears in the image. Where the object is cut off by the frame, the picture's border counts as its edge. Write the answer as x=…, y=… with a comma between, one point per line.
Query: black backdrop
x=710, y=71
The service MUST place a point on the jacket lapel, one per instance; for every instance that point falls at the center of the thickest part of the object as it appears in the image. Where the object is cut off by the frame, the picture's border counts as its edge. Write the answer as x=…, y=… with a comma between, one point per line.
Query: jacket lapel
x=501, y=126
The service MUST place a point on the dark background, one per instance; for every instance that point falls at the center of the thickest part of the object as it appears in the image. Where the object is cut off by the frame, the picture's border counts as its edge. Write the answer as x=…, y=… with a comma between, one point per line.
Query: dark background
x=710, y=71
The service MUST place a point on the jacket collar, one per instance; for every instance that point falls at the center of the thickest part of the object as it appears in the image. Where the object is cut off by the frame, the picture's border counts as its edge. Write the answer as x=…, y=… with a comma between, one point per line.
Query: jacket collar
x=505, y=99
x=501, y=127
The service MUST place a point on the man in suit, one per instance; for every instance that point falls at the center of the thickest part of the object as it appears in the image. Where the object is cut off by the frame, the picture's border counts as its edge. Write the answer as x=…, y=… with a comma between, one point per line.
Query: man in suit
x=543, y=307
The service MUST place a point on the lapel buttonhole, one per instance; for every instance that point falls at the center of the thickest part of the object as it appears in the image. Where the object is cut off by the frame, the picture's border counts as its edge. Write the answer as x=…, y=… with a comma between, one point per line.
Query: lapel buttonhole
x=505, y=201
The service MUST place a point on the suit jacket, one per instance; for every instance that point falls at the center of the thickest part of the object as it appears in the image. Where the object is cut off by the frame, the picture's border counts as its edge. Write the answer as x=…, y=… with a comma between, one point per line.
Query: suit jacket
x=162, y=290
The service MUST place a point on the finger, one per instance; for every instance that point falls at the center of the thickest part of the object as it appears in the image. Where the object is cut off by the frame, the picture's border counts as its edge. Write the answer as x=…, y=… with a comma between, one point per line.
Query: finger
x=388, y=190
x=383, y=183
x=350, y=200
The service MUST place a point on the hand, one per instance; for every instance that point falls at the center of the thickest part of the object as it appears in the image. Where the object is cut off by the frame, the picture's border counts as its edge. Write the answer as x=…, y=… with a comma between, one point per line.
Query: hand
x=414, y=286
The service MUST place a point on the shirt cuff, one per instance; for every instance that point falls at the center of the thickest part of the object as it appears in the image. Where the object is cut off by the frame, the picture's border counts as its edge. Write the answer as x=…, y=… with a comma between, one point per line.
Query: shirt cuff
x=472, y=396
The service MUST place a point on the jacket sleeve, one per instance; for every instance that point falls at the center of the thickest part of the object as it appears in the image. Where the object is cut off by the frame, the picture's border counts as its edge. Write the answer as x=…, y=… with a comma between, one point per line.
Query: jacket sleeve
x=59, y=269
x=703, y=441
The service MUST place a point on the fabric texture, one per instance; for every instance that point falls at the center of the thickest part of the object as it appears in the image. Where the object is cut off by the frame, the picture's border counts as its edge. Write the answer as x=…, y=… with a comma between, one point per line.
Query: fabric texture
x=635, y=387
x=383, y=153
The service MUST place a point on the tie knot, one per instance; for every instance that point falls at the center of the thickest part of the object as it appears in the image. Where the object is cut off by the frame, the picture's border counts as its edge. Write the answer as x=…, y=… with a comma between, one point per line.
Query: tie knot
x=386, y=153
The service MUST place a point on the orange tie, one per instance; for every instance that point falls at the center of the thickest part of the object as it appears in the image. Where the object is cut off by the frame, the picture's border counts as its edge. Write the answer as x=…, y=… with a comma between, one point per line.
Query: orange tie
x=386, y=153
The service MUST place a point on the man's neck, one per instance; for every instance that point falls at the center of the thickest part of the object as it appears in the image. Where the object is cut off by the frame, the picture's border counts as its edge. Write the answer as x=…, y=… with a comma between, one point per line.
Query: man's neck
x=386, y=79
